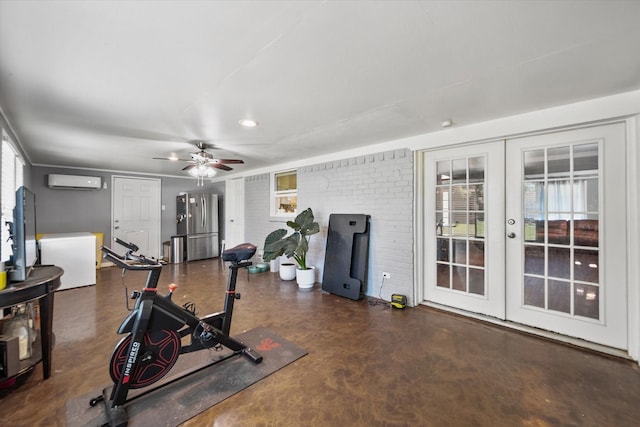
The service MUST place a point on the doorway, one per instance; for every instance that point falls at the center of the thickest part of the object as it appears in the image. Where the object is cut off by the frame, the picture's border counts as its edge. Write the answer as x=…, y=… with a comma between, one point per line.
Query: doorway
x=531, y=230
x=136, y=213
x=234, y=212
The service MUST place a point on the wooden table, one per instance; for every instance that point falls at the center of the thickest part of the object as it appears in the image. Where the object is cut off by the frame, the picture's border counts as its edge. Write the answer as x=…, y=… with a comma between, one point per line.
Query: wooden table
x=40, y=286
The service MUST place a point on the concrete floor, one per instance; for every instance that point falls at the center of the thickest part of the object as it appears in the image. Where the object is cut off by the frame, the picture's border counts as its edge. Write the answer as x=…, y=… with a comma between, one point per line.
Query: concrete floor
x=368, y=365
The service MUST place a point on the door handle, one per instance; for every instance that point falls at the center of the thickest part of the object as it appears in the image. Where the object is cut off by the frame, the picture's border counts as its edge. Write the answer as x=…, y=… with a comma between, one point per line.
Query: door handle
x=511, y=235
x=203, y=211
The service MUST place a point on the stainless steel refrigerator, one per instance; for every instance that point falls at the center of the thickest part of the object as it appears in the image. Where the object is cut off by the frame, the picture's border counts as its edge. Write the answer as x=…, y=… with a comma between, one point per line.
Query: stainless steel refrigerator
x=197, y=218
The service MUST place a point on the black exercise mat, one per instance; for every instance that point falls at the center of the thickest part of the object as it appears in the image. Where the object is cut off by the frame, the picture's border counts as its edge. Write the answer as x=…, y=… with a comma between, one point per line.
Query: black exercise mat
x=185, y=398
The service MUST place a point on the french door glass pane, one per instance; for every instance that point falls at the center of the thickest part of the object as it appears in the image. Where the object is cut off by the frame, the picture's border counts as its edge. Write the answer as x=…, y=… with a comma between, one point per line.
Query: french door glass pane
x=534, y=291
x=585, y=265
x=442, y=250
x=476, y=169
x=459, y=278
x=534, y=259
x=585, y=195
x=585, y=157
x=587, y=301
x=561, y=229
x=460, y=224
x=476, y=253
x=559, y=262
x=533, y=194
x=476, y=281
x=533, y=164
x=559, y=163
x=560, y=296
x=443, y=276
x=443, y=173
x=459, y=171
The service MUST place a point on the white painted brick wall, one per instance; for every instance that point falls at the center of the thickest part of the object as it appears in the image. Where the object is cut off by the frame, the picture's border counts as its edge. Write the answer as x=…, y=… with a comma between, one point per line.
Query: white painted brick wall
x=379, y=185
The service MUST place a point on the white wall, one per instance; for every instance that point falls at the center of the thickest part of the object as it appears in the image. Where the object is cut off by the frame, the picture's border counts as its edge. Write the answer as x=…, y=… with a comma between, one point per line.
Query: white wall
x=379, y=185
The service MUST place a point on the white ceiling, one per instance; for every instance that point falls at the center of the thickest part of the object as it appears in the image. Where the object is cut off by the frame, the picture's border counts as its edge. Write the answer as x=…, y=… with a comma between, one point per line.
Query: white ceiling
x=110, y=85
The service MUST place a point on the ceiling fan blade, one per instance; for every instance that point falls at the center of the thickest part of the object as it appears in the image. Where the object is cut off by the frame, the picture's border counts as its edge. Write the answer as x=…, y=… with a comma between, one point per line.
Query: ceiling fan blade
x=220, y=166
x=227, y=161
x=213, y=165
x=172, y=159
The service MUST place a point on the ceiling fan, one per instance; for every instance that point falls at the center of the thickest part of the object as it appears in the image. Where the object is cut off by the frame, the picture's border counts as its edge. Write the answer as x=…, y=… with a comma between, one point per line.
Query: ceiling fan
x=203, y=164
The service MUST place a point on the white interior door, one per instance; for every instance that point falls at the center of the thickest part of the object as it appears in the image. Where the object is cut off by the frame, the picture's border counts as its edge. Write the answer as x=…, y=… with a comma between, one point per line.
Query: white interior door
x=464, y=234
x=234, y=212
x=566, y=250
x=136, y=213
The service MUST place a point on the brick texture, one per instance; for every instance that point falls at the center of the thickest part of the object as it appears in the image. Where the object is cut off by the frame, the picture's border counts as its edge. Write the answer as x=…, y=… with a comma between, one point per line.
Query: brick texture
x=380, y=185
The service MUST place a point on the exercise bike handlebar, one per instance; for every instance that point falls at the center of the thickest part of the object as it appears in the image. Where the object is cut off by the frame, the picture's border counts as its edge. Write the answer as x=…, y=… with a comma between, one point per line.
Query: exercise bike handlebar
x=131, y=246
x=146, y=264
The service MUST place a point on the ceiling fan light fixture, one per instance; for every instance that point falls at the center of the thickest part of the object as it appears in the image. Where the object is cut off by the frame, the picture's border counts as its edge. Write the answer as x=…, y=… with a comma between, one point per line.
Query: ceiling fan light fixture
x=202, y=171
x=248, y=123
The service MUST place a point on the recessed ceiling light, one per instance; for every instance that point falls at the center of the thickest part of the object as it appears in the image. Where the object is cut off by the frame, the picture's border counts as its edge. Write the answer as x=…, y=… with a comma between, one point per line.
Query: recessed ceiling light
x=248, y=123
x=447, y=123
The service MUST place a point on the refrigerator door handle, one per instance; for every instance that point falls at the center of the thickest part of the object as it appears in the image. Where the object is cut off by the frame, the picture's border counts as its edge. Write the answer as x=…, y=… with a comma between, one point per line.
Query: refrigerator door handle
x=204, y=210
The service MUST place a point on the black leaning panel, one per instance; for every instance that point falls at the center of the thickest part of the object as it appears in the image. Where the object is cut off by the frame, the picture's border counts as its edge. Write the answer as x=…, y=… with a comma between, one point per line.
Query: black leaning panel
x=347, y=255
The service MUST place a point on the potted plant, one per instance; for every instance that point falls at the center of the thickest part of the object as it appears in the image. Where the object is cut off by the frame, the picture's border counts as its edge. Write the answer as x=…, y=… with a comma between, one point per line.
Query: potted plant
x=294, y=245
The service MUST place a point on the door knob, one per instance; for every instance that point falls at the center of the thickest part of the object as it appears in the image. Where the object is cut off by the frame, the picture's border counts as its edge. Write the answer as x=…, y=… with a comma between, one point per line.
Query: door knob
x=511, y=235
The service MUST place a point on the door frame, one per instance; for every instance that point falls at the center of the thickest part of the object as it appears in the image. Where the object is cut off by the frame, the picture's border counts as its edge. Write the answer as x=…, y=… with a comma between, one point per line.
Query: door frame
x=594, y=112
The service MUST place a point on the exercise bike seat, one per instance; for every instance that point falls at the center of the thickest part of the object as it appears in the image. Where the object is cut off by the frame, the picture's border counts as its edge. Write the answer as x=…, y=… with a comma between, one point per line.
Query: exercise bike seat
x=242, y=252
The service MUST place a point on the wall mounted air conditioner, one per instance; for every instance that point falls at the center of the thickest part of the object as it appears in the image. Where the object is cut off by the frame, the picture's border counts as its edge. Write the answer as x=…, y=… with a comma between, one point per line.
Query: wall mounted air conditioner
x=74, y=182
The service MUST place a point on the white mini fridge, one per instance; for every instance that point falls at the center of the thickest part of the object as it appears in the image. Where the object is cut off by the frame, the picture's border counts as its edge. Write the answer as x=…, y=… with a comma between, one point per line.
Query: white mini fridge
x=75, y=253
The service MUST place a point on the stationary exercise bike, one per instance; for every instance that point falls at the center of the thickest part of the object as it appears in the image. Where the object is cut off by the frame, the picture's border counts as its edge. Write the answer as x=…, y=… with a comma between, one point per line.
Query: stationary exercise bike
x=156, y=325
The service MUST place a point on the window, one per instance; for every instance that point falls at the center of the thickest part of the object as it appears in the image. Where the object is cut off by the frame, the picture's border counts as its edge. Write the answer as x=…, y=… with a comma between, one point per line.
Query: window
x=12, y=169
x=284, y=193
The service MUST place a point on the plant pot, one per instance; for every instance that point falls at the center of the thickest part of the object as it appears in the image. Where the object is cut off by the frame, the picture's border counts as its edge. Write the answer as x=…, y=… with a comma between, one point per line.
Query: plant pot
x=306, y=278
x=287, y=271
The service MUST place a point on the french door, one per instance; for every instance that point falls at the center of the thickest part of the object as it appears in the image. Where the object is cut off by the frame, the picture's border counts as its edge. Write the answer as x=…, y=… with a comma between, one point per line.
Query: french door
x=566, y=233
x=465, y=232
x=532, y=230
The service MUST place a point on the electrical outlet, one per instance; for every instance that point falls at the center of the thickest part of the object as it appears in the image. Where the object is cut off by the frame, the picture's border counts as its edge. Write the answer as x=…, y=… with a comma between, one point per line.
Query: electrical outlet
x=386, y=275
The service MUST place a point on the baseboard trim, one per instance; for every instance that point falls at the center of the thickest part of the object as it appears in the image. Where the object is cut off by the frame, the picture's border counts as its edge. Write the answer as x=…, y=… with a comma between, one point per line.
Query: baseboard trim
x=552, y=336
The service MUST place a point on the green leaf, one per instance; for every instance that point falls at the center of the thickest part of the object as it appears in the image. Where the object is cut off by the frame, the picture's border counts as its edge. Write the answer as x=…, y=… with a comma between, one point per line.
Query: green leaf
x=274, y=245
x=295, y=245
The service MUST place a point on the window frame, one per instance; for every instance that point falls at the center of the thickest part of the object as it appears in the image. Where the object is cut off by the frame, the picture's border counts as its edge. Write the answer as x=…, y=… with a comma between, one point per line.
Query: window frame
x=274, y=194
x=8, y=187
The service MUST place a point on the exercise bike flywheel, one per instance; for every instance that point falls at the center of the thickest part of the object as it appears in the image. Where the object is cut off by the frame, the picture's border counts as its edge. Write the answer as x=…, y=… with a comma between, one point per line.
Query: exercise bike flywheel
x=156, y=356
